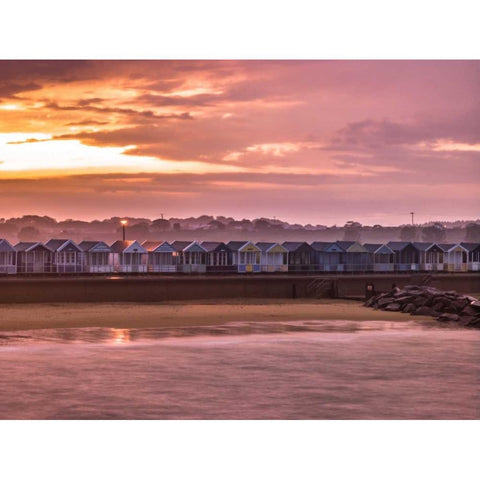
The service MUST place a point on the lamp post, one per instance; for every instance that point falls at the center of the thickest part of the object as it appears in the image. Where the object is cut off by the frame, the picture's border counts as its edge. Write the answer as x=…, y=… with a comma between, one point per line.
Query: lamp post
x=123, y=222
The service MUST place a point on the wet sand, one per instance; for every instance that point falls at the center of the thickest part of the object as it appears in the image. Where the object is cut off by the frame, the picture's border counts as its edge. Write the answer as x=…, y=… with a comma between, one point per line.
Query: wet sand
x=208, y=312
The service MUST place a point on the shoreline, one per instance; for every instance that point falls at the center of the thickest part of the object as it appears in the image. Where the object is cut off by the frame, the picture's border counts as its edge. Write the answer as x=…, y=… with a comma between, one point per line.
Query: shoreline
x=16, y=317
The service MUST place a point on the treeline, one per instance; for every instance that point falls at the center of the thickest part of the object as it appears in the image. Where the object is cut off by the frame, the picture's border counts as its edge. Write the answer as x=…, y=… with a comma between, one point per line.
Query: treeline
x=39, y=228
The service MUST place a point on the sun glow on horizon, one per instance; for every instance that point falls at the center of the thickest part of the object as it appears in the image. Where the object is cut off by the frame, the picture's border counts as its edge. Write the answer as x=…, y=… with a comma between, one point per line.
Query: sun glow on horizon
x=36, y=155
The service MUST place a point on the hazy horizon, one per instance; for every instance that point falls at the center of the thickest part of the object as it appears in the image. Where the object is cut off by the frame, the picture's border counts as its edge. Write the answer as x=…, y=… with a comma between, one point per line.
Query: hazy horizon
x=320, y=142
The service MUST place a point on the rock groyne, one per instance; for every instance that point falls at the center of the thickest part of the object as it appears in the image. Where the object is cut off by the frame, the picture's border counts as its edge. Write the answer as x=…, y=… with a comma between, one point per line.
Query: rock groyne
x=445, y=306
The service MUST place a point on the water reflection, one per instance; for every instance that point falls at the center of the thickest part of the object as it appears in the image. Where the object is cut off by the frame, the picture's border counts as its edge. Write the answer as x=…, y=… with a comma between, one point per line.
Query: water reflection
x=120, y=336
x=265, y=370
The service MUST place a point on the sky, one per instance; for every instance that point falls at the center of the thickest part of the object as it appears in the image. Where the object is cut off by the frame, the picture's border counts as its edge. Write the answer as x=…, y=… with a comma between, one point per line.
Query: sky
x=319, y=142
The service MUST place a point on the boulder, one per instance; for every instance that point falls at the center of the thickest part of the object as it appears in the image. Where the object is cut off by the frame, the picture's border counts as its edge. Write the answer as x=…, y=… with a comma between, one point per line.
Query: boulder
x=409, y=308
x=393, y=307
x=423, y=310
x=384, y=302
x=467, y=320
x=448, y=317
x=475, y=304
x=468, y=310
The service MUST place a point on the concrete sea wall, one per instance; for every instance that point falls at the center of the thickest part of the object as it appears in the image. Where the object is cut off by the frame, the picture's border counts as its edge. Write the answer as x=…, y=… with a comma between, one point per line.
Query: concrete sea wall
x=178, y=288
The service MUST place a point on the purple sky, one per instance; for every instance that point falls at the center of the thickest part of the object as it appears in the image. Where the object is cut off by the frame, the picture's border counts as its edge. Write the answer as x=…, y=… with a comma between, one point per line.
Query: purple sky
x=317, y=142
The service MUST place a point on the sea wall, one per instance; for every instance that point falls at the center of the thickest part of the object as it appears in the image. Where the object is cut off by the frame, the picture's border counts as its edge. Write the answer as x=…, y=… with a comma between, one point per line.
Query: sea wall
x=178, y=288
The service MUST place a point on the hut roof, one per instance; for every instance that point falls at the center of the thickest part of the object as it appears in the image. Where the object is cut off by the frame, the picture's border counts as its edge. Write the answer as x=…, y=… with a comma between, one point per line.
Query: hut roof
x=59, y=244
x=398, y=246
x=91, y=245
x=422, y=246
x=6, y=246
x=320, y=246
x=180, y=245
x=471, y=247
x=153, y=246
x=127, y=246
x=29, y=246
x=294, y=246
x=236, y=244
x=215, y=246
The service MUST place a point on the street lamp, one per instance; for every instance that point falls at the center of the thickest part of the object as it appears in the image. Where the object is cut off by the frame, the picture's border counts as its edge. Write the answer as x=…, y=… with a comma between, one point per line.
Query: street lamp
x=123, y=222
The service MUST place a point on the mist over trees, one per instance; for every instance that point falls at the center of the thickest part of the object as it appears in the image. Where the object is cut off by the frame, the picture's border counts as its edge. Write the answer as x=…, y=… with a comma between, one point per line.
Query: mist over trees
x=221, y=228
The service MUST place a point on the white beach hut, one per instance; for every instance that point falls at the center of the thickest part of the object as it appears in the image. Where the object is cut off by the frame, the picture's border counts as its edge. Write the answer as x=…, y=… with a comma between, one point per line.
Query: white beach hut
x=160, y=256
x=128, y=256
x=8, y=257
x=96, y=256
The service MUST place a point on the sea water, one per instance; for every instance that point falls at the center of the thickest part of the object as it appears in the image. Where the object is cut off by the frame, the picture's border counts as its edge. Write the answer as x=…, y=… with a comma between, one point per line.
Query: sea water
x=337, y=369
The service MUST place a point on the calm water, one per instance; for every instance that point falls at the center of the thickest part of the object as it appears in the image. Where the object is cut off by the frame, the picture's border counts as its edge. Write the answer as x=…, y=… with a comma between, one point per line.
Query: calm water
x=282, y=370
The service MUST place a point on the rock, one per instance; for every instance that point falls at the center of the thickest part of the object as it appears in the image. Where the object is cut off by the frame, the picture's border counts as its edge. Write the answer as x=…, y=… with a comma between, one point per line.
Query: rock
x=448, y=317
x=419, y=301
x=467, y=320
x=469, y=311
x=475, y=304
x=409, y=308
x=393, y=307
x=423, y=310
x=384, y=301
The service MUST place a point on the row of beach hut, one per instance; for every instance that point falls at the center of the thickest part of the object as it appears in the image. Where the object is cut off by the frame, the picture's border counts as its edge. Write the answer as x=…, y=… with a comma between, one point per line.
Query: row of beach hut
x=131, y=256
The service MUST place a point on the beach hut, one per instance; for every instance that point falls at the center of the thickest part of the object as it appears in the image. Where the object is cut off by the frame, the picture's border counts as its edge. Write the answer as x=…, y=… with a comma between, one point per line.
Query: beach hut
x=33, y=257
x=473, y=256
x=455, y=257
x=128, y=256
x=355, y=257
x=191, y=257
x=246, y=256
x=160, y=256
x=301, y=256
x=273, y=257
x=8, y=257
x=96, y=257
x=430, y=256
x=382, y=257
x=328, y=257
x=406, y=256
x=219, y=257
x=67, y=256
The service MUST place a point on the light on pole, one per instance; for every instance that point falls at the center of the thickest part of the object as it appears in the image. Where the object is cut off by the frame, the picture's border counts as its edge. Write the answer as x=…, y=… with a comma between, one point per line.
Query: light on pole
x=124, y=223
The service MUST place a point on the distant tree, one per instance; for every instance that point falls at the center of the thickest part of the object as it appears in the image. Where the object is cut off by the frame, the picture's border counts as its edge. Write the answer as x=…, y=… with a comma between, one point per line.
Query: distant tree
x=28, y=234
x=472, y=232
x=408, y=233
x=352, y=231
x=160, y=224
x=215, y=224
x=176, y=227
x=436, y=233
x=138, y=230
x=262, y=224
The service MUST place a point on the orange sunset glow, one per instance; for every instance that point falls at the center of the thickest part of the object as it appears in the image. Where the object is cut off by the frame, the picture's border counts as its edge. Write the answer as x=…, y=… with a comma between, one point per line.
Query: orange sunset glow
x=308, y=141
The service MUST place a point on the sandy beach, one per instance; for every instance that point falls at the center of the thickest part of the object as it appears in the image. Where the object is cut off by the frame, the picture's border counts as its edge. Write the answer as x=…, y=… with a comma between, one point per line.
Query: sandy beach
x=127, y=315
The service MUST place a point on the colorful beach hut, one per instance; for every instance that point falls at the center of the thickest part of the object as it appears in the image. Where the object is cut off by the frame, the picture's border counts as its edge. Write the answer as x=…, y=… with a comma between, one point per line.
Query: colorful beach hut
x=67, y=256
x=128, y=256
x=273, y=257
x=301, y=256
x=160, y=256
x=406, y=256
x=219, y=257
x=246, y=256
x=328, y=257
x=455, y=257
x=191, y=257
x=473, y=255
x=382, y=257
x=430, y=257
x=96, y=256
x=8, y=257
x=33, y=257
